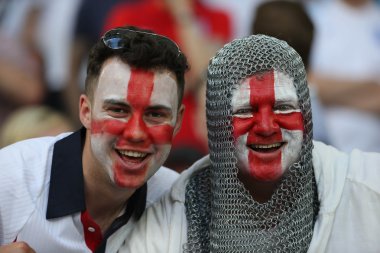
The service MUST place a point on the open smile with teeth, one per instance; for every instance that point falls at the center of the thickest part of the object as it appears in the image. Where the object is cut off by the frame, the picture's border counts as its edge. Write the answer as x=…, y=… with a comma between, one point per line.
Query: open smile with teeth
x=266, y=148
x=132, y=154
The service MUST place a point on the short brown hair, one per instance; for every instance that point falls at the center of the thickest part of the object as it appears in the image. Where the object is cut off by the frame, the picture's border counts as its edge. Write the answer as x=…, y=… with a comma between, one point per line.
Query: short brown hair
x=141, y=50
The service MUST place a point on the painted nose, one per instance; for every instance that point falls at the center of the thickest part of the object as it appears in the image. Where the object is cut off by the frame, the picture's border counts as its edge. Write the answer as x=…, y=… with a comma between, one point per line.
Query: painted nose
x=136, y=130
x=266, y=123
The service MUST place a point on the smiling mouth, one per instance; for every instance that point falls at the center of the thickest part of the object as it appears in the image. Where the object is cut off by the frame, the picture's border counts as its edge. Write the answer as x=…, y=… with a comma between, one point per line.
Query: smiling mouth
x=133, y=156
x=266, y=148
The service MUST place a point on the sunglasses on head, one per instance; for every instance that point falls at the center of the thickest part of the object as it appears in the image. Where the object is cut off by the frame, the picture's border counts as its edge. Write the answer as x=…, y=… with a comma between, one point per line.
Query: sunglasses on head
x=116, y=38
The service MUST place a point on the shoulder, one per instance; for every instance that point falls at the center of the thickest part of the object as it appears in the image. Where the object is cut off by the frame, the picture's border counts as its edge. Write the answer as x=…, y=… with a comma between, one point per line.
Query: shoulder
x=364, y=170
x=326, y=157
x=28, y=158
x=330, y=169
x=356, y=166
x=349, y=190
x=24, y=174
x=159, y=183
x=174, y=184
x=177, y=192
x=336, y=170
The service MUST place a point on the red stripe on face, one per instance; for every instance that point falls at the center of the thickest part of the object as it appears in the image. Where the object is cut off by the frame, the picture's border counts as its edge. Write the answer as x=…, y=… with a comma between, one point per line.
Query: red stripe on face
x=140, y=88
x=262, y=97
x=264, y=126
x=161, y=134
x=262, y=100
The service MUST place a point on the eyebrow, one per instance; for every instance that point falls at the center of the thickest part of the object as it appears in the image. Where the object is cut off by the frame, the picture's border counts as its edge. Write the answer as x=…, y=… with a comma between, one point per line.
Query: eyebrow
x=123, y=103
x=159, y=107
x=114, y=102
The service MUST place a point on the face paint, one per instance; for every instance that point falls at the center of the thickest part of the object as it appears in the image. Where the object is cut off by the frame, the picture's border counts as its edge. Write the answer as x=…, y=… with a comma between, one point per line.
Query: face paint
x=268, y=125
x=133, y=119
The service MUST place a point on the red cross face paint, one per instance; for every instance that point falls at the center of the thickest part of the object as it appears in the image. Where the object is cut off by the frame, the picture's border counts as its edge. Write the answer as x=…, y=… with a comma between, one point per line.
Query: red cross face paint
x=133, y=120
x=268, y=125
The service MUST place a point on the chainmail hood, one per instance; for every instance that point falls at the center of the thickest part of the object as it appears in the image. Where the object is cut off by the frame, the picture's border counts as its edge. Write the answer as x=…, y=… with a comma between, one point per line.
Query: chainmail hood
x=222, y=215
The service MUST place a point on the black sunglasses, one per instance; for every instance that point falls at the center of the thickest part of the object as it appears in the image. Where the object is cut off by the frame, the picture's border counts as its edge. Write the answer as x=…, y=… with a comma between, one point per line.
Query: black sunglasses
x=116, y=39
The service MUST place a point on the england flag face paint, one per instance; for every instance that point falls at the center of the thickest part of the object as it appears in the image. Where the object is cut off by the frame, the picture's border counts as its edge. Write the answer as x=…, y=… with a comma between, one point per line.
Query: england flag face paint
x=268, y=125
x=134, y=118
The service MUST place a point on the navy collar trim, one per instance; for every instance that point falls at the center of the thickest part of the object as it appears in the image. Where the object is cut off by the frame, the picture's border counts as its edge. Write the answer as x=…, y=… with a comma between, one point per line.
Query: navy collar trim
x=66, y=190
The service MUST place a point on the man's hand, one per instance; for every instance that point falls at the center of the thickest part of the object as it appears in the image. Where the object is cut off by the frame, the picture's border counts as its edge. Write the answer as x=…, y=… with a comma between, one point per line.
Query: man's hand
x=16, y=247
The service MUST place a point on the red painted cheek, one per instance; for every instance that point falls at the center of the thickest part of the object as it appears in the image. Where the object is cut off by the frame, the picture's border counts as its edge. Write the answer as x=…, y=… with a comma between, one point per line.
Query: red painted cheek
x=162, y=134
x=291, y=121
x=241, y=126
x=109, y=126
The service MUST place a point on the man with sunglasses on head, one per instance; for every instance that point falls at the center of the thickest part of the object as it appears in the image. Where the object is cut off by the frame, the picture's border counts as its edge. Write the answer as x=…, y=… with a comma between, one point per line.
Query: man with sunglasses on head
x=72, y=193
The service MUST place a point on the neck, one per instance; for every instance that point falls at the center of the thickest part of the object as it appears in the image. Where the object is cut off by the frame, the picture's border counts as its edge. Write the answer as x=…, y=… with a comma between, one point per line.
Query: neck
x=104, y=200
x=259, y=190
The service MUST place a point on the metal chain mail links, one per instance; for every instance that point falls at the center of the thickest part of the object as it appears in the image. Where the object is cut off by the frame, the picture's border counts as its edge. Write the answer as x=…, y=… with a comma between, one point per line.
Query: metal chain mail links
x=222, y=215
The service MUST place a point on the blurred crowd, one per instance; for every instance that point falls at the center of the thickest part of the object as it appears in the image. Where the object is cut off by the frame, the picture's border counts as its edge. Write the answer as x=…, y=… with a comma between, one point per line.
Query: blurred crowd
x=44, y=46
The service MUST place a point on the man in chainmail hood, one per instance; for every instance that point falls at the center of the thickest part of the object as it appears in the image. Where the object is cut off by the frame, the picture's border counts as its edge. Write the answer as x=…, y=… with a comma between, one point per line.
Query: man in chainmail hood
x=260, y=138
x=266, y=186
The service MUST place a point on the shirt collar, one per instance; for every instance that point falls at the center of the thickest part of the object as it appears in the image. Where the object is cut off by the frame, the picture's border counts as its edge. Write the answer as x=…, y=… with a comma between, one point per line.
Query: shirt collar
x=66, y=190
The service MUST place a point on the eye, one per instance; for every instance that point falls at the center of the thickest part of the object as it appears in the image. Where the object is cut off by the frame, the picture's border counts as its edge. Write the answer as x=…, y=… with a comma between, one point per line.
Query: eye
x=117, y=112
x=243, y=113
x=285, y=108
x=157, y=116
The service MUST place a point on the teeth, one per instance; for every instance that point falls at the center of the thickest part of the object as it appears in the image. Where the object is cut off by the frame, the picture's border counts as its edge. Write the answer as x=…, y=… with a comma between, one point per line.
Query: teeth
x=132, y=153
x=275, y=145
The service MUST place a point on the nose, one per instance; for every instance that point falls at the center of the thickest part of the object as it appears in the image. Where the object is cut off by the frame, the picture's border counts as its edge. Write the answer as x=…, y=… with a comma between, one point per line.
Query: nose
x=266, y=124
x=135, y=130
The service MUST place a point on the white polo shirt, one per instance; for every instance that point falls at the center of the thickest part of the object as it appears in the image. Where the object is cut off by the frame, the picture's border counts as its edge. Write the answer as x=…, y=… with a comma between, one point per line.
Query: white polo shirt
x=42, y=197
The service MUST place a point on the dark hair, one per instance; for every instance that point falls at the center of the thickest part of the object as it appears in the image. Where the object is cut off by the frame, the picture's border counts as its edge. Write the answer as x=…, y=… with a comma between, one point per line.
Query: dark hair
x=288, y=21
x=141, y=49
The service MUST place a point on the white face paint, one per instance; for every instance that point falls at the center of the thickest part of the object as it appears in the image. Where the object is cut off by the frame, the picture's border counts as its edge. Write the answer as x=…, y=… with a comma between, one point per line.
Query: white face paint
x=134, y=118
x=268, y=125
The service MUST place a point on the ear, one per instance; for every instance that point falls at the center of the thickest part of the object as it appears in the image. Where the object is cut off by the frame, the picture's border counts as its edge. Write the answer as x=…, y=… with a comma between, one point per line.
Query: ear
x=85, y=111
x=178, y=124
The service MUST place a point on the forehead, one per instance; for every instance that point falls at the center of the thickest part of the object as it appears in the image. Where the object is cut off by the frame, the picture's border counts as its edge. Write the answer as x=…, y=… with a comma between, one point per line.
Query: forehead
x=276, y=82
x=117, y=80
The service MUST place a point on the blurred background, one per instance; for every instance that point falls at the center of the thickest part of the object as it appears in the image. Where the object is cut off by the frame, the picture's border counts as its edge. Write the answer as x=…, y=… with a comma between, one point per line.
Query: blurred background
x=44, y=46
